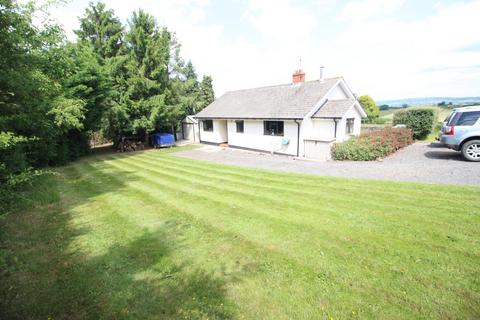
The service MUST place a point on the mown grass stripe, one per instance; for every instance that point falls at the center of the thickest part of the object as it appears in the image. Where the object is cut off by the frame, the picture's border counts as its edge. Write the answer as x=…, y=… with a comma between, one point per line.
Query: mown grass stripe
x=303, y=192
x=325, y=197
x=296, y=180
x=365, y=236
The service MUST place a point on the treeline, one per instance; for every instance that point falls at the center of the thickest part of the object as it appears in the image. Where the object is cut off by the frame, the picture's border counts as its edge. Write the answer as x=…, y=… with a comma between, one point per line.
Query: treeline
x=115, y=79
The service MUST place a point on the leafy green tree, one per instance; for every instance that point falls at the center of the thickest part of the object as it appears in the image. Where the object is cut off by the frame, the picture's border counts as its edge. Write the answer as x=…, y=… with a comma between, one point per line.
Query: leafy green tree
x=102, y=76
x=30, y=94
x=186, y=89
x=208, y=95
x=369, y=105
x=102, y=30
x=89, y=81
x=147, y=73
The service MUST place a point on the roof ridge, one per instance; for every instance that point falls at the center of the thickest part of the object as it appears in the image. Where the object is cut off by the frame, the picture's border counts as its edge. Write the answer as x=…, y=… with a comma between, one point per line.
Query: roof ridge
x=283, y=84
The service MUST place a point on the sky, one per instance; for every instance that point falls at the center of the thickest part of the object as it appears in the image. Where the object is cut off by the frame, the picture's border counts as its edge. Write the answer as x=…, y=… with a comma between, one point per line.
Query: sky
x=389, y=49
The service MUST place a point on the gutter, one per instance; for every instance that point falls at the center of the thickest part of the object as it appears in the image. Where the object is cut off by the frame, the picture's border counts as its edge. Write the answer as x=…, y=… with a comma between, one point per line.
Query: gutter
x=247, y=118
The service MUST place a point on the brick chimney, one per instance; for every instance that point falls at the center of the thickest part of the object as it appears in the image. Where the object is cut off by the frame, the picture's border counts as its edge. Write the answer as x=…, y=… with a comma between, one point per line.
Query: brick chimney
x=298, y=76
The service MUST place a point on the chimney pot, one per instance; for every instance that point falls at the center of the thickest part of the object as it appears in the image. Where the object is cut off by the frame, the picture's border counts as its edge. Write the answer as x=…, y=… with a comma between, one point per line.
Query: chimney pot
x=321, y=73
x=298, y=76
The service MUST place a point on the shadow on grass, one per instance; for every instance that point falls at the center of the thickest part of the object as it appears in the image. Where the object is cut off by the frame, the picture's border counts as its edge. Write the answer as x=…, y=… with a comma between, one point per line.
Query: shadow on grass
x=41, y=277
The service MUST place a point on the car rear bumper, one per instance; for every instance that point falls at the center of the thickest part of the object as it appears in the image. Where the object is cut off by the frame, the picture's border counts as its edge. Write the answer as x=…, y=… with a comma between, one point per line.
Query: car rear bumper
x=449, y=142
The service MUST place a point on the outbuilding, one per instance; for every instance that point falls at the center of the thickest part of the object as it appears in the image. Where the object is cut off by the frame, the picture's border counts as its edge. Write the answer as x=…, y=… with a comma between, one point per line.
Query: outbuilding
x=190, y=129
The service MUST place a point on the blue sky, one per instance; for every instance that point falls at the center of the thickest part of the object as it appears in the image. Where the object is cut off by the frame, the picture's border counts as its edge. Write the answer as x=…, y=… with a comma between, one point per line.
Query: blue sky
x=386, y=48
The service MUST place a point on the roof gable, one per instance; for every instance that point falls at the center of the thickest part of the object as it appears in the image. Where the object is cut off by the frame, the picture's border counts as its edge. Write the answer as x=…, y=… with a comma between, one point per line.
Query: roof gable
x=288, y=101
x=334, y=108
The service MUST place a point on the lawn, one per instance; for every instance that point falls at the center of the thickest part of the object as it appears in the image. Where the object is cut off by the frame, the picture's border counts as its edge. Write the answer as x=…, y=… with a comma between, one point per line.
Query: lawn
x=148, y=235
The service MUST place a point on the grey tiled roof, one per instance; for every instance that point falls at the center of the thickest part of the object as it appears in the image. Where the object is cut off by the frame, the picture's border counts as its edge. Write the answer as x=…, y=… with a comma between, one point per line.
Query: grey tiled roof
x=334, y=108
x=288, y=101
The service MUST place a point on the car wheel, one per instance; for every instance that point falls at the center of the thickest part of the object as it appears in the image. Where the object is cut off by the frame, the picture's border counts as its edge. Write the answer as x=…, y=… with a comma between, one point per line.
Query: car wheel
x=471, y=150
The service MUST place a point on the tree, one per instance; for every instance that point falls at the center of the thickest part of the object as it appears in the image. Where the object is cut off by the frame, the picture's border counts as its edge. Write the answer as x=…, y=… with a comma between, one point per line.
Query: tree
x=90, y=82
x=102, y=30
x=34, y=104
x=208, y=95
x=56, y=94
x=369, y=105
x=147, y=73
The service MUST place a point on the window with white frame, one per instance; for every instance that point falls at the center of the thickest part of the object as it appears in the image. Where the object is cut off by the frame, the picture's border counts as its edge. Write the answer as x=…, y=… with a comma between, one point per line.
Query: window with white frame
x=239, y=125
x=350, y=125
x=208, y=125
x=273, y=128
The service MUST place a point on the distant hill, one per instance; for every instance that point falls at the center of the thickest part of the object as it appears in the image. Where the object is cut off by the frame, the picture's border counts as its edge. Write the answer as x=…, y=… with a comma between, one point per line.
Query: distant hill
x=430, y=100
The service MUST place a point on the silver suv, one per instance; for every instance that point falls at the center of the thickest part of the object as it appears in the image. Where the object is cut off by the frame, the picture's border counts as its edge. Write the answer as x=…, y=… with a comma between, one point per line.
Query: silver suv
x=461, y=132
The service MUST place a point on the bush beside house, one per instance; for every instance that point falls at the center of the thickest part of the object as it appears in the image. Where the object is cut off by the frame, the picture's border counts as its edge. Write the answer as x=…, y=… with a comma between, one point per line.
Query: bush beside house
x=373, y=145
x=419, y=120
x=370, y=107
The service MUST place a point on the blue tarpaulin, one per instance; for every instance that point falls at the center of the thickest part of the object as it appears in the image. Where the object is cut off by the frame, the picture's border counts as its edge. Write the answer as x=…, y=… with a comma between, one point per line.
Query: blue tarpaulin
x=163, y=140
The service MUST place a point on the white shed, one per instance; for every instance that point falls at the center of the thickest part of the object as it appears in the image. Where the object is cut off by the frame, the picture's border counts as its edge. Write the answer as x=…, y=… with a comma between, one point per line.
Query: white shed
x=190, y=129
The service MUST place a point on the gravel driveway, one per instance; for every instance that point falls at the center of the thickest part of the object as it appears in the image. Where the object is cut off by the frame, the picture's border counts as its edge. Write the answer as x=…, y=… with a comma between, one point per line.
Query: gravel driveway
x=420, y=162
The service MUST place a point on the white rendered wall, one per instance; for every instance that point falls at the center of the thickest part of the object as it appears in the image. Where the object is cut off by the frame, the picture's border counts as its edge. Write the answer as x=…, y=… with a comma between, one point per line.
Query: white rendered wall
x=218, y=135
x=337, y=93
x=253, y=137
x=342, y=124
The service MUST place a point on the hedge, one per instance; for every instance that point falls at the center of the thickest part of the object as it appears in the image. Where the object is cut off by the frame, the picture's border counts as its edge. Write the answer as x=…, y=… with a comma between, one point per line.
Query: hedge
x=419, y=120
x=373, y=145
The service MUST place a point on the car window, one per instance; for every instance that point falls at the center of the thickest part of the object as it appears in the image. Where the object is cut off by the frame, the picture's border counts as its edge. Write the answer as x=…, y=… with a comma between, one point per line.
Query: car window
x=467, y=118
x=449, y=117
x=453, y=119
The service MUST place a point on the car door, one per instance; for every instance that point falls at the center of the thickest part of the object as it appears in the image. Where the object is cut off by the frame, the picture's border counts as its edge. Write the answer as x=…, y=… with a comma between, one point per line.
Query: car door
x=465, y=123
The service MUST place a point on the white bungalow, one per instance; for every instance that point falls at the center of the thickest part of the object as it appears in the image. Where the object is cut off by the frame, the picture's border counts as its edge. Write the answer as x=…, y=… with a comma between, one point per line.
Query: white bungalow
x=300, y=119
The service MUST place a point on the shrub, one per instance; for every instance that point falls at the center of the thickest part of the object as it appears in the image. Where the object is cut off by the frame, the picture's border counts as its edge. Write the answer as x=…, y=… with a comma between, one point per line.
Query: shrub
x=372, y=145
x=14, y=169
x=12, y=155
x=419, y=120
x=369, y=106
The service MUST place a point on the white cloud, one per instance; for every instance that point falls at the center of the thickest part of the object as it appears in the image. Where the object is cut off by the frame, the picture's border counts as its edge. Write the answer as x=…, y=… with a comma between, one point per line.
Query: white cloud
x=367, y=42
x=388, y=57
x=364, y=9
x=279, y=20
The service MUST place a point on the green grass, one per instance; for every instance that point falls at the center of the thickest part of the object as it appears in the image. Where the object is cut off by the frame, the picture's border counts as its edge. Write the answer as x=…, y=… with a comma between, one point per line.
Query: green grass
x=442, y=112
x=146, y=235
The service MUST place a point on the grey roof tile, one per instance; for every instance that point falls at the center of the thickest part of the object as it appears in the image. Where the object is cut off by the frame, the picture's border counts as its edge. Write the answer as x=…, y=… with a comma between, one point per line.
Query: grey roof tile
x=288, y=101
x=334, y=108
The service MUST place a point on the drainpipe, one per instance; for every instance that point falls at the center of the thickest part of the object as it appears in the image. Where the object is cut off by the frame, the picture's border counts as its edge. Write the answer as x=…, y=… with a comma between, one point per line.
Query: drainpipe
x=298, y=137
x=200, y=126
x=335, y=132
